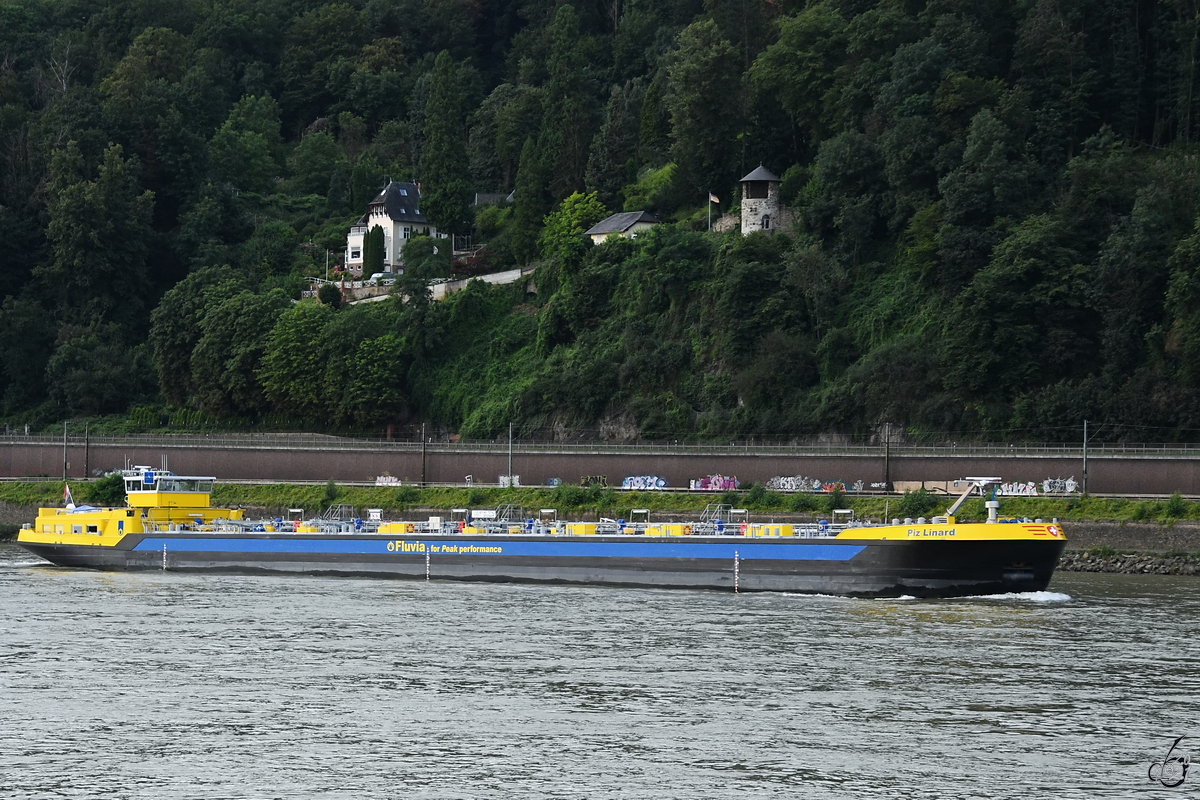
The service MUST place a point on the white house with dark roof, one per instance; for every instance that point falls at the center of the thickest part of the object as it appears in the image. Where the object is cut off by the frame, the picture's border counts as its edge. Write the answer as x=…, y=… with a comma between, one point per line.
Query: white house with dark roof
x=627, y=224
x=396, y=209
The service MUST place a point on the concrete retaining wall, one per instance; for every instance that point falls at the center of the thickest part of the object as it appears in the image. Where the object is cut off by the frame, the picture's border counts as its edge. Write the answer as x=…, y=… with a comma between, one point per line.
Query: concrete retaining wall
x=344, y=460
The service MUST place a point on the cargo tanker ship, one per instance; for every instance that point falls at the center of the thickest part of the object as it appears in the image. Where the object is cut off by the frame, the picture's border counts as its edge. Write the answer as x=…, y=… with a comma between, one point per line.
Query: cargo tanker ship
x=169, y=524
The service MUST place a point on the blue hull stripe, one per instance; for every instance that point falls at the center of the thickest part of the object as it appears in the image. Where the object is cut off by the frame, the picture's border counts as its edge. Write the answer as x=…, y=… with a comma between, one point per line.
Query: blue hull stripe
x=746, y=550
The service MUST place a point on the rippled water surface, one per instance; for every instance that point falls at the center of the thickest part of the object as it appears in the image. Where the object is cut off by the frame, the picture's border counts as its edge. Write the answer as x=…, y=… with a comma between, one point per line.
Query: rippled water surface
x=162, y=685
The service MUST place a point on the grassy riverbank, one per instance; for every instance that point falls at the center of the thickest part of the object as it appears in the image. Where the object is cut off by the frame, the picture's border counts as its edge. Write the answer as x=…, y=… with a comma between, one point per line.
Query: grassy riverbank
x=574, y=500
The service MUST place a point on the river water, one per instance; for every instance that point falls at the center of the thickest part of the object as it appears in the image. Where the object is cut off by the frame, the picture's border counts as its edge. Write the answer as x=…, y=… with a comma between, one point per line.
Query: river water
x=162, y=685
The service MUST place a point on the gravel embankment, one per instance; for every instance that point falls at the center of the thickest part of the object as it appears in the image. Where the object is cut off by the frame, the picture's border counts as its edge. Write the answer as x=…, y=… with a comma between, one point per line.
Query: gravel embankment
x=1130, y=563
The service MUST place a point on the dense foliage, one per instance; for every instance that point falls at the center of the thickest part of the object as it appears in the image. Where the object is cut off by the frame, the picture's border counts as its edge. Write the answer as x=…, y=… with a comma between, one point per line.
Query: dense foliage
x=995, y=214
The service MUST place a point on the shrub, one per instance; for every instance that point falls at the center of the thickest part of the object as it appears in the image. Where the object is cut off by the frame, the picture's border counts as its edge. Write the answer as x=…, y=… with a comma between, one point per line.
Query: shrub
x=404, y=497
x=330, y=295
x=1143, y=511
x=330, y=495
x=567, y=496
x=836, y=499
x=108, y=491
x=1176, y=507
x=917, y=503
x=803, y=501
x=755, y=494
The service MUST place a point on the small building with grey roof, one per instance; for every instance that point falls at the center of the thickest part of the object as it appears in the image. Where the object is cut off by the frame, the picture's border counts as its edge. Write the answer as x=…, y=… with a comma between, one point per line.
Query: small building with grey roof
x=627, y=224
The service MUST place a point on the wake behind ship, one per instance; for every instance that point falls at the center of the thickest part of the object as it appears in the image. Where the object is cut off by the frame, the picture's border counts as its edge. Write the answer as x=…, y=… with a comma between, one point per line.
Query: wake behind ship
x=169, y=524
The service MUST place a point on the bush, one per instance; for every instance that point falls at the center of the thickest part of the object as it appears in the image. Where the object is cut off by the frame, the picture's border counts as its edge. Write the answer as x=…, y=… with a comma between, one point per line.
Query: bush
x=567, y=496
x=836, y=499
x=108, y=491
x=755, y=494
x=1144, y=510
x=330, y=495
x=404, y=497
x=917, y=504
x=330, y=295
x=1176, y=507
x=803, y=501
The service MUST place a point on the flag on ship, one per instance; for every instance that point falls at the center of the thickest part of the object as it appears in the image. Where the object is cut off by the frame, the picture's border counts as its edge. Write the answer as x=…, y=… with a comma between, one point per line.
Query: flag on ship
x=67, y=499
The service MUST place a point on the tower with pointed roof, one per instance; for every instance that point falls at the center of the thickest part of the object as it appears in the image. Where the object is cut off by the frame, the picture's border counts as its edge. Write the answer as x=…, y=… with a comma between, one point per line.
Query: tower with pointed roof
x=762, y=210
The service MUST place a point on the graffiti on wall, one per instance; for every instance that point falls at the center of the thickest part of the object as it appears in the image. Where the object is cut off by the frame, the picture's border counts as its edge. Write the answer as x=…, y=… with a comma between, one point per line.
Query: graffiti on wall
x=1017, y=489
x=643, y=482
x=714, y=483
x=1060, y=485
x=793, y=483
x=593, y=480
x=799, y=483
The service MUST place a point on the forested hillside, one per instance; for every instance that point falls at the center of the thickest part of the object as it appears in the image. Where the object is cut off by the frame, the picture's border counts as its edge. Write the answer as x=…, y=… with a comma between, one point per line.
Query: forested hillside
x=995, y=207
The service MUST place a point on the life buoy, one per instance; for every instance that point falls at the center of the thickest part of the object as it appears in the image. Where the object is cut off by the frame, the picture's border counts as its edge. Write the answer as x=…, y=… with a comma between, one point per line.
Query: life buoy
x=295, y=525
x=462, y=525
x=744, y=527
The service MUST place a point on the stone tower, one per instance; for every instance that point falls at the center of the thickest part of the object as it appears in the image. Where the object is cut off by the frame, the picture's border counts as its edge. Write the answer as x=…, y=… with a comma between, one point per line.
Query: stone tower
x=761, y=208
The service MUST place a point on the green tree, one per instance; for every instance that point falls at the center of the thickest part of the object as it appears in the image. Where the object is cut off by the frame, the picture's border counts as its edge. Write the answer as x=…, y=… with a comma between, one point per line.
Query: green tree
x=446, y=186
x=98, y=230
x=704, y=115
x=330, y=295
x=292, y=370
x=614, y=150
x=314, y=162
x=799, y=68
x=245, y=150
x=27, y=335
x=314, y=43
x=175, y=327
x=562, y=237
x=532, y=201
x=375, y=391
x=569, y=119
x=97, y=371
x=426, y=257
x=229, y=353
x=374, y=246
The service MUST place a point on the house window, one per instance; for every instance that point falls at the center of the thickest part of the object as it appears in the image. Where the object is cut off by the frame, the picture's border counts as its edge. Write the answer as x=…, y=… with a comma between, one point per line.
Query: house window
x=355, y=254
x=404, y=192
x=406, y=233
x=766, y=222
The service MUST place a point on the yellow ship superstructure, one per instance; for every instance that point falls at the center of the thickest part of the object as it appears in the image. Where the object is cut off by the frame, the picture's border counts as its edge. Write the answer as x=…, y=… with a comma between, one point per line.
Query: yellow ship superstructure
x=157, y=501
